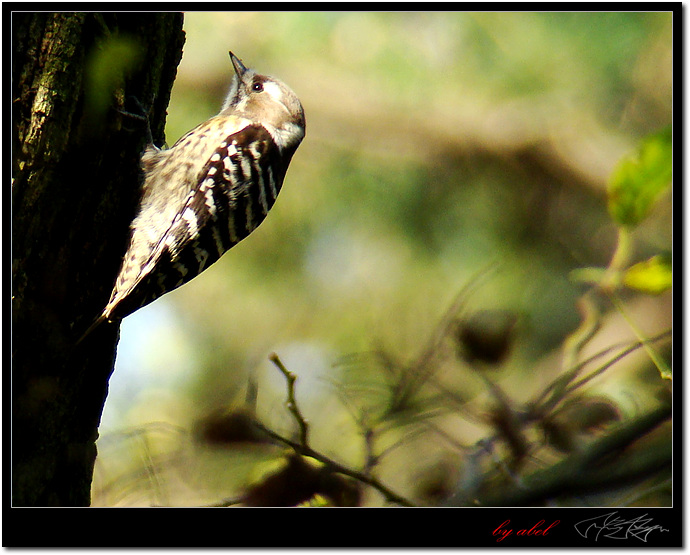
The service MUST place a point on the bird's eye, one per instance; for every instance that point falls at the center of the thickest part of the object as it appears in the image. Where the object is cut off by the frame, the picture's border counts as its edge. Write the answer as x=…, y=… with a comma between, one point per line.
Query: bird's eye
x=258, y=87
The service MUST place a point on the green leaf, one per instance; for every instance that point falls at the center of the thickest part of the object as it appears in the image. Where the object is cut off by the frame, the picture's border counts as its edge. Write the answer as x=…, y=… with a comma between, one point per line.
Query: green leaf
x=639, y=179
x=652, y=276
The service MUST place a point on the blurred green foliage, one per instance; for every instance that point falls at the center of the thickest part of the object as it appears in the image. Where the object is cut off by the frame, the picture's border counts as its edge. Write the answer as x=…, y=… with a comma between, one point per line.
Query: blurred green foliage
x=639, y=180
x=651, y=276
x=437, y=144
x=107, y=67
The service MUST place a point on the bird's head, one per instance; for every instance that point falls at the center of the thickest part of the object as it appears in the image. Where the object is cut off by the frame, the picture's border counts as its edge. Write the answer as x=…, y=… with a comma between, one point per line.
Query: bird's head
x=267, y=101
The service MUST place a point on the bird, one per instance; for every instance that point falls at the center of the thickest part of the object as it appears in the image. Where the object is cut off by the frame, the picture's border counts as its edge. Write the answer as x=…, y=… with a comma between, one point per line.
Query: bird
x=209, y=191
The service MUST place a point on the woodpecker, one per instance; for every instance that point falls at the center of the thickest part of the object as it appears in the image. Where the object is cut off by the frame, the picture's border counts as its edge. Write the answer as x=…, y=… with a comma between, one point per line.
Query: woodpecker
x=209, y=191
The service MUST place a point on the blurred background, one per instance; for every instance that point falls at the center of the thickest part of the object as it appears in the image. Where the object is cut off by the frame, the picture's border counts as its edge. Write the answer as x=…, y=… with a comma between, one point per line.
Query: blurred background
x=438, y=145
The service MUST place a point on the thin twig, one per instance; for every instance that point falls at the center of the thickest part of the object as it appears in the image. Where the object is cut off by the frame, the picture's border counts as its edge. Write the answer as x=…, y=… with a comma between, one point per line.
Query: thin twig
x=302, y=447
x=615, y=359
x=334, y=466
x=574, y=343
x=292, y=405
x=661, y=366
x=552, y=394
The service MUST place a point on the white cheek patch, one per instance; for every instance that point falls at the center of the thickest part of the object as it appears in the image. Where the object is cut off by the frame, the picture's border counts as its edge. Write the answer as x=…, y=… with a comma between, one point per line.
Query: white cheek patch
x=273, y=89
x=277, y=94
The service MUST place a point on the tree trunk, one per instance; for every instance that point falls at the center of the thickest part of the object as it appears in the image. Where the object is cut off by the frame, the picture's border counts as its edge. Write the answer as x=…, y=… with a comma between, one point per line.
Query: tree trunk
x=76, y=183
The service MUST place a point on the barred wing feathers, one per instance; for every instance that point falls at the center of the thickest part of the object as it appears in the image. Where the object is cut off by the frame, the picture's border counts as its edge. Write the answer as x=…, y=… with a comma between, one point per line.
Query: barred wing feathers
x=234, y=191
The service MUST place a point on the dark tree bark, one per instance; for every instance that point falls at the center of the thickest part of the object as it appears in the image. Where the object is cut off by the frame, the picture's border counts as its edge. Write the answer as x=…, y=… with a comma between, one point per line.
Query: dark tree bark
x=76, y=182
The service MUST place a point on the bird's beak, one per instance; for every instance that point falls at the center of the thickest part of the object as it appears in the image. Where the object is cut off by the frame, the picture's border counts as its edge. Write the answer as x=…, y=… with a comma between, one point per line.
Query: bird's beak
x=237, y=63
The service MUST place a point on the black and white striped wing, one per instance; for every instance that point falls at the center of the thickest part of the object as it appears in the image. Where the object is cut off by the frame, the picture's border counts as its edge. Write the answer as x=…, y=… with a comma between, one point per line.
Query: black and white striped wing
x=236, y=189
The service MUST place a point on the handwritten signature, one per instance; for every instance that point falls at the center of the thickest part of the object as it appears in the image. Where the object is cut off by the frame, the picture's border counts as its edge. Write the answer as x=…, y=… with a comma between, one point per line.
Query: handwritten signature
x=617, y=528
